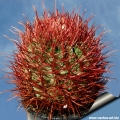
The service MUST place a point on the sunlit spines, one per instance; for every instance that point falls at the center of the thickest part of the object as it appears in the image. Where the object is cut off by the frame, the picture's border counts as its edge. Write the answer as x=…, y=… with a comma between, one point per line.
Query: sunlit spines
x=59, y=63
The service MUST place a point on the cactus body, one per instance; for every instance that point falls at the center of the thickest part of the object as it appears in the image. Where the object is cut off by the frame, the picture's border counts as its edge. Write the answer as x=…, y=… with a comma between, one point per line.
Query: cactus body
x=59, y=66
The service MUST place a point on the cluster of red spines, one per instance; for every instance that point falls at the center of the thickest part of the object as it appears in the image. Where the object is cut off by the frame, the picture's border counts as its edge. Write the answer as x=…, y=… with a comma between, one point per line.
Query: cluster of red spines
x=44, y=50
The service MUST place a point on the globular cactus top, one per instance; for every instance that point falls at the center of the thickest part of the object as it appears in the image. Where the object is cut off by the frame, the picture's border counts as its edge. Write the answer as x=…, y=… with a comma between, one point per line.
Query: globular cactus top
x=59, y=64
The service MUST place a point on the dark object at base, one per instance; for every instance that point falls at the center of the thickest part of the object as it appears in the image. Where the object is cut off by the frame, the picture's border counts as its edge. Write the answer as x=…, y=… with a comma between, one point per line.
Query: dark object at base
x=43, y=117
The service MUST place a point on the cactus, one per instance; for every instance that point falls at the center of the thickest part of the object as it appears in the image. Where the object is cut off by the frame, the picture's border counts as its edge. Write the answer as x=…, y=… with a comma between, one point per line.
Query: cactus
x=59, y=64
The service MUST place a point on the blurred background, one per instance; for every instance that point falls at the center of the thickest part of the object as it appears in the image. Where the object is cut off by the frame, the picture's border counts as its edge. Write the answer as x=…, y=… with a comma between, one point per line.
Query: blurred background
x=107, y=14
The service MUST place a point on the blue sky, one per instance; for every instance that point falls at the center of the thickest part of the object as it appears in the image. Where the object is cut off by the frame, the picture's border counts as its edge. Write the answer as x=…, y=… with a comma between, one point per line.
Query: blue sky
x=108, y=14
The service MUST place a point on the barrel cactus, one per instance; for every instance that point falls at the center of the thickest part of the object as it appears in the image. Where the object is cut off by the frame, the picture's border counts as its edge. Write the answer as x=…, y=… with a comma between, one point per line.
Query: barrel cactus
x=59, y=65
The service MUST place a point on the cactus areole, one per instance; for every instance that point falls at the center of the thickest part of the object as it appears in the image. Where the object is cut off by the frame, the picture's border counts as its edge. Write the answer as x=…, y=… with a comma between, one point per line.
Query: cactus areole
x=59, y=64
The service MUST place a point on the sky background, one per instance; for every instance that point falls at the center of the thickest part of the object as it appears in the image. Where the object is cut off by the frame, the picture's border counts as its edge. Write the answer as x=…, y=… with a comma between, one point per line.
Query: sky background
x=107, y=14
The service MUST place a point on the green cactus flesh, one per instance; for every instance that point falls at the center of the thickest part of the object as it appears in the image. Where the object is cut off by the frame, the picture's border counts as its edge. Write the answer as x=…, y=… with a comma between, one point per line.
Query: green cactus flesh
x=73, y=53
